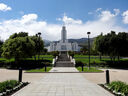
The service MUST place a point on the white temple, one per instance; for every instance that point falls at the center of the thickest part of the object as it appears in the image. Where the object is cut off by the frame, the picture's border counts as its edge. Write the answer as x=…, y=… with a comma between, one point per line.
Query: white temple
x=63, y=44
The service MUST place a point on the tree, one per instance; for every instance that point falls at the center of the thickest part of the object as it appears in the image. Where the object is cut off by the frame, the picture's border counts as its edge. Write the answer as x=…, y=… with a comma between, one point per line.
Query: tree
x=39, y=45
x=1, y=43
x=21, y=34
x=122, y=44
x=97, y=45
x=45, y=50
x=18, y=46
x=112, y=44
x=83, y=50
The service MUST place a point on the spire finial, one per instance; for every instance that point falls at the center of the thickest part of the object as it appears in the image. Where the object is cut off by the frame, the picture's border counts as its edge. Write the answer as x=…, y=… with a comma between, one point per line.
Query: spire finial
x=64, y=23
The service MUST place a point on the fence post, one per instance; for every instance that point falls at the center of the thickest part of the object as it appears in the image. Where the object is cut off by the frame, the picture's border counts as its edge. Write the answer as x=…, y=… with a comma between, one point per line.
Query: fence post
x=20, y=74
x=82, y=68
x=107, y=77
x=45, y=68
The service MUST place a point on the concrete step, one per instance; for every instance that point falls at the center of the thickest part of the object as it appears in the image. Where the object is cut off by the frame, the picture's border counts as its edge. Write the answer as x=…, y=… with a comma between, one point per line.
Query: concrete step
x=64, y=61
x=64, y=65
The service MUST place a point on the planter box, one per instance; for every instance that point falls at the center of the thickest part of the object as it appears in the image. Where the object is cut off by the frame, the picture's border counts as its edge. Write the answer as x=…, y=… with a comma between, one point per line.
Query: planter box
x=11, y=91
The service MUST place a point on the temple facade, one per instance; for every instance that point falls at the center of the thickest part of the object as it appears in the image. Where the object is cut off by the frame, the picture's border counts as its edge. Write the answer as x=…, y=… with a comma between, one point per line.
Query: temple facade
x=63, y=44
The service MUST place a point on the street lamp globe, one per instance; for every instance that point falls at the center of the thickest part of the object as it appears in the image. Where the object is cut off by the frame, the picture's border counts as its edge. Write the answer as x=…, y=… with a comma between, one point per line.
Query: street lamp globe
x=88, y=33
x=39, y=33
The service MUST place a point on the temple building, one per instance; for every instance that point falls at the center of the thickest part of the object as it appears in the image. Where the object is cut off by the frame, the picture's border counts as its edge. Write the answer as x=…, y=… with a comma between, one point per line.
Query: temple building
x=63, y=44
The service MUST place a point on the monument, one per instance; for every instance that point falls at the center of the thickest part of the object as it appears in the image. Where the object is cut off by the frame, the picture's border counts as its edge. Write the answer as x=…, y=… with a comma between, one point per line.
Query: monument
x=63, y=44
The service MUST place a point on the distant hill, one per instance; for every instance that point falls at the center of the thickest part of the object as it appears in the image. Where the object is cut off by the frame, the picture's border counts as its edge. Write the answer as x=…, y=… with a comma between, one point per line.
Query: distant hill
x=46, y=43
x=81, y=41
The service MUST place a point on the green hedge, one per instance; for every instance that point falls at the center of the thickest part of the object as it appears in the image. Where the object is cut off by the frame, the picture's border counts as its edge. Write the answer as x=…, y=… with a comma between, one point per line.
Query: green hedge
x=119, y=86
x=79, y=63
x=6, y=85
x=40, y=70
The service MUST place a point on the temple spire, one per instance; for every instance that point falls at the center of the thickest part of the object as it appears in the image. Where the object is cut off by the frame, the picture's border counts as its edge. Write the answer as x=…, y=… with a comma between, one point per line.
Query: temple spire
x=63, y=34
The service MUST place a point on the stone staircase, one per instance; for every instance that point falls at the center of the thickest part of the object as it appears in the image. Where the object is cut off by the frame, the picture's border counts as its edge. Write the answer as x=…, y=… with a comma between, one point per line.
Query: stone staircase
x=64, y=61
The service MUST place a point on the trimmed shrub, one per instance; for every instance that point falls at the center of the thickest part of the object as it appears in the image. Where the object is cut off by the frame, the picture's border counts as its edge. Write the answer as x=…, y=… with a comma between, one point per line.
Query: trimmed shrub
x=55, y=53
x=79, y=63
x=71, y=53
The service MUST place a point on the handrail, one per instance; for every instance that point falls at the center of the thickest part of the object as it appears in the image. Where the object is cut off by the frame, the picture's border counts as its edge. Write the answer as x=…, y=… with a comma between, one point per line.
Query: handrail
x=54, y=60
x=72, y=60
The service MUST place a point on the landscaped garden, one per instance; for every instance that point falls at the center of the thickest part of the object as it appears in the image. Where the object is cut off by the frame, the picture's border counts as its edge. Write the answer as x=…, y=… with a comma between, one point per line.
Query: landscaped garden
x=105, y=61
x=28, y=53
x=40, y=70
x=43, y=60
x=118, y=88
x=10, y=86
x=86, y=69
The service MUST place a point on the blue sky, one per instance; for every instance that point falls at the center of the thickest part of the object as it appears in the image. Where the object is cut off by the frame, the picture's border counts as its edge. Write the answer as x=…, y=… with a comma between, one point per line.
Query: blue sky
x=47, y=16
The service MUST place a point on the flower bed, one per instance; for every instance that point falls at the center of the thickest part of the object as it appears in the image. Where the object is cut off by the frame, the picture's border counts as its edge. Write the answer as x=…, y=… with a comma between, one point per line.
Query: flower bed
x=118, y=88
x=10, y=86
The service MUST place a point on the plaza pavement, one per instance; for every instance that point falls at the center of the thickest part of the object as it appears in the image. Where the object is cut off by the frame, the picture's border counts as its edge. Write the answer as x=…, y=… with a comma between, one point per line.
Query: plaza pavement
x=63, y=84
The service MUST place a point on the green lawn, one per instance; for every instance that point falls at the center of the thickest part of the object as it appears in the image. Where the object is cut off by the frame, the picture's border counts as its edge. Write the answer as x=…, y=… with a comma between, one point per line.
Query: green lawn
x=39, y=59
x=6, y=60
x=84, y=56
x=92, y=69
x=39, y=70
x=94, y=59
x=48, y=56
x=90, y=56
x=86, y=60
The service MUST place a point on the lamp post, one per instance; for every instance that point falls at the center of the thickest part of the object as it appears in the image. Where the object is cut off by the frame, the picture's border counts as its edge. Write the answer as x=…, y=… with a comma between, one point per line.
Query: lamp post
x=89, y=49
x=39, y=33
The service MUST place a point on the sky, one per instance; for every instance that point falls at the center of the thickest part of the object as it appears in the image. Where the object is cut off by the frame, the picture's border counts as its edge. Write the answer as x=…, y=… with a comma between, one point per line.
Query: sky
x=48, y=17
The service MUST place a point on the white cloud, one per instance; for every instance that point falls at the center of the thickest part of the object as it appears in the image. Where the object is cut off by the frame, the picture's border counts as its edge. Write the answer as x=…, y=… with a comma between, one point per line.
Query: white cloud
x=29, y=18
x=98, y=9
x=67, y=20
x=105, y=23
x=117, y=11
x=75, y=28
x=4, y=7
x=27, y=23
x=125, y=17
x=107, y=15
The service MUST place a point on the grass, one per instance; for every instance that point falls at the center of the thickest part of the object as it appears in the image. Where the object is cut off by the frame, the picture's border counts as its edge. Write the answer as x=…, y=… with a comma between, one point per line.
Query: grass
x=6, y=60
x=84, y=56
x=40, y=70
x=41, y=56
x=92, y=69
x=45, y=57
x=94, y=59
x=85, y=61
x=94, y=56
x=50, y=59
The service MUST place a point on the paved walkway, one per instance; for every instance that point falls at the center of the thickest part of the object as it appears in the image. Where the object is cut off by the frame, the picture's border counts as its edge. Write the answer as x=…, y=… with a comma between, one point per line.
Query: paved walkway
x=64, y=69
x=63, y=84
